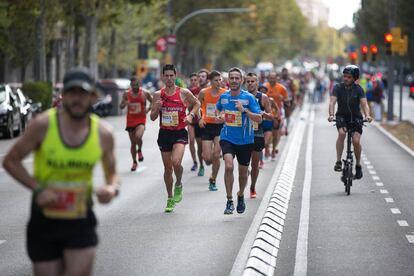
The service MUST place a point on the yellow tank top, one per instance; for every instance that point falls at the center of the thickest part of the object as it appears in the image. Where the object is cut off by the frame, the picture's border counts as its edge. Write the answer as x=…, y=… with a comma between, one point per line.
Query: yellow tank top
x=67, y=170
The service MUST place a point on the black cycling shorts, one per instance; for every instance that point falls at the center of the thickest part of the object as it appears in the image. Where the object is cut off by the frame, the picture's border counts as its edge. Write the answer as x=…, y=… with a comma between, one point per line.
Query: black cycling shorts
x=259, y=144
x=167, y=138
x=48, y=238
x=211, y=131
x=242, y=152
x=345, y=122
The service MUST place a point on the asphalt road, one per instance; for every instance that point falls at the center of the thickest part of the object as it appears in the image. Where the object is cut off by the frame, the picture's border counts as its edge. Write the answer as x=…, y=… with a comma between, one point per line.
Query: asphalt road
x=369, y=232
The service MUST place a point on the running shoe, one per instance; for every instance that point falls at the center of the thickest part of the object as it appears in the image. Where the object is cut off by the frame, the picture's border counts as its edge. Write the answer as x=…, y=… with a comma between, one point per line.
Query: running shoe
x=140, y=156
x=201, y=171
x=229, y=207
x=253, y=193
x=267, y=153
x=212, y=185
x=178, y=193
x=194, y=167
x=261, y=164
x=134, y=166
x=358, y=172
x=170, y=205
x=241, y=206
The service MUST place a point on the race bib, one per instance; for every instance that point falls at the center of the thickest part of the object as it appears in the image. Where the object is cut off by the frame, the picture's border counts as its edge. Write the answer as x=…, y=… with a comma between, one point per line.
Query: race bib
x=255, y=126
x=169, y=119
x=233, y=118
x=72, y=198
x=211, y=110
x=135, y=108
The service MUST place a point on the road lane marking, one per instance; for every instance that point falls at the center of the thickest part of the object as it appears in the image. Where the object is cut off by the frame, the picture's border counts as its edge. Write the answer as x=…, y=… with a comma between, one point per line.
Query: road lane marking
x=374, y=177
x=410, y=238
x=367, y=162
x=379, y=184
x=402, y=223
x=369, y=167
x=372, y=172
x=383, y=191
x=2, y=241
x=389, y=200
x=395, y=211
x=301, y=260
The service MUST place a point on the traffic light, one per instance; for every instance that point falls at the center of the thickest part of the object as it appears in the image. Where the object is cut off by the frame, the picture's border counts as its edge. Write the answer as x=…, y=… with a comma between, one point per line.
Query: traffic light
x=374, y=52
x=364, y=52
x=388, y=42
x=353, y=56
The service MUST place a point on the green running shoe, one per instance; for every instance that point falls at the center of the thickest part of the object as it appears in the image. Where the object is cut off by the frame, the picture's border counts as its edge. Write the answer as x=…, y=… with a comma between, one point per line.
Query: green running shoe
x=212, y=185
x=178, y=193
x=170, y=205
x=201, y=171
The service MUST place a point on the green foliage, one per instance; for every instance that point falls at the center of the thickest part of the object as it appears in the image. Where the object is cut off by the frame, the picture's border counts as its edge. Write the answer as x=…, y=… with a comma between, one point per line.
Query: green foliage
x=39, y=91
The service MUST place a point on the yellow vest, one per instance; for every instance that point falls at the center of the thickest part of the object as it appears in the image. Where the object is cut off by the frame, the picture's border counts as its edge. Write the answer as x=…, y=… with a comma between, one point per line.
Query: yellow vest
x=67, y=170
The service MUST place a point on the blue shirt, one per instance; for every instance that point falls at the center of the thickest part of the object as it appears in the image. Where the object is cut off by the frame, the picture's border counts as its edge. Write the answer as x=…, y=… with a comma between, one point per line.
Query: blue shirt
x=237, y=128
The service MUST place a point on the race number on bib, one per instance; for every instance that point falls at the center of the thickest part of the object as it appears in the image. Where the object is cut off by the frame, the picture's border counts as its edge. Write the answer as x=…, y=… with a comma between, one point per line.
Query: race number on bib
x=169, y=119
x=233, y=118
x=211, y=110
x=135, y=108
x=71, y=204
x=255, y=126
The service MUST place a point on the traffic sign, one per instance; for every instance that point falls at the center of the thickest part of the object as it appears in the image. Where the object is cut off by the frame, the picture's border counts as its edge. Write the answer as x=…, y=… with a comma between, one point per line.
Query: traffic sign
x=172, y=40
x=161, y=45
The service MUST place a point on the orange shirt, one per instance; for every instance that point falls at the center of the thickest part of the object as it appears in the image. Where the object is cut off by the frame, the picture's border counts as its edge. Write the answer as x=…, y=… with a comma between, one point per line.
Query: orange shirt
x=208, y=106
x=277, y=92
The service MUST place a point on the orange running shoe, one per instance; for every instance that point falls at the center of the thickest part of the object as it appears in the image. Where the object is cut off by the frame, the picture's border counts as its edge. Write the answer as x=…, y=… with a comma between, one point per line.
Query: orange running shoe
x=253, y=194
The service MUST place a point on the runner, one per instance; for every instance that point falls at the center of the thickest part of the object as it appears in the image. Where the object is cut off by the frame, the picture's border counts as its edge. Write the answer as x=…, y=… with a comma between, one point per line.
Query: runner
x=194, y=129
x=267, y=126
x=211, y=126
x=67, y=143
x=238, y=108
x=278, y=93
x=195, y=89
x=170, y=103
x=259, y=140
x=288, y=83
x=135, y=99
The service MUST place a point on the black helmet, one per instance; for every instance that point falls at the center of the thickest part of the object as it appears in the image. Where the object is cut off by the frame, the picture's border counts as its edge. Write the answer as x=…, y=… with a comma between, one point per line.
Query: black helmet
x=352, y=70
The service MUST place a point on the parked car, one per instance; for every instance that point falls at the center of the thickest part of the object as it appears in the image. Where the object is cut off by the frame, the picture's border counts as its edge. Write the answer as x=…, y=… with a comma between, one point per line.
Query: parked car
x=24, y=106
x=10, y=118
x=115, y=88
x=36, y=107
x=103, y=106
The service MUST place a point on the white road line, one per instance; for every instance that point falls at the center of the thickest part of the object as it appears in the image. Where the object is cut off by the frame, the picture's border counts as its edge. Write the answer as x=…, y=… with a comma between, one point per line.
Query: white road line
x=383, y=191
x=402, y=223
x=410, y=238
x=372, y=172
x=374, y=177
x=394, y=139
x=379, y=184
x=370, y=167
x=367, y=162
x=389, y=200
x=301, y=263
x=2, y=241
x=395, y=211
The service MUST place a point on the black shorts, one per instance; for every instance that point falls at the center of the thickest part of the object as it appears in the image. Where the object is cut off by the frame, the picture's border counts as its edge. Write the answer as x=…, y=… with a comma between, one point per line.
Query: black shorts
x=167, y=138
x=129, y=129
x=198, y=131
x=48, y=238
x=211, y=131
x=345, y=122
x=259, y=144
x=242, y=152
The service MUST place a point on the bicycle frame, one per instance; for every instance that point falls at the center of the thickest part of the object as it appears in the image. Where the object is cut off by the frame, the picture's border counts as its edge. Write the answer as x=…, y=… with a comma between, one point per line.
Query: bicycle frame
x=347, y=175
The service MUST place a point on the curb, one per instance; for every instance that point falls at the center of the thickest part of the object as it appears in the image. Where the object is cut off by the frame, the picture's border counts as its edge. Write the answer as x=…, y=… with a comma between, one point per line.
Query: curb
x=394, y=139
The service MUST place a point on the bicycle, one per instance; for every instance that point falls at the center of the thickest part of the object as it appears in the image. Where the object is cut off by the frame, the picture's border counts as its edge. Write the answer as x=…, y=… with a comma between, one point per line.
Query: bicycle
x=347, y=174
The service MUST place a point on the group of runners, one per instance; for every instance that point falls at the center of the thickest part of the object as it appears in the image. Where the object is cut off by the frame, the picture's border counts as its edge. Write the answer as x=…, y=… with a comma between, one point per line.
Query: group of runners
x=222, y=118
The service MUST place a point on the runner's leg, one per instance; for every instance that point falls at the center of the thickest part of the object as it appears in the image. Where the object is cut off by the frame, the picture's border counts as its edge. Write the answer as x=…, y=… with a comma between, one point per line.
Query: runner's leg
x=255, y=169
x=207, y=151
x=139, y=133
x=168, y=171
x=243, y=176
x=228, y=174
x=133, y=148
x=79, y=261
x=48, y=268
x=191, y=141
x=216, y=158
x=176, y=159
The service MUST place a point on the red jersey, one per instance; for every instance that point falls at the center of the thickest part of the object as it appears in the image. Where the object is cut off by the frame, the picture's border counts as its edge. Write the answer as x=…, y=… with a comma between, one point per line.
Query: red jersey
x=173, y=111
x=136, y=108
x=195, y=90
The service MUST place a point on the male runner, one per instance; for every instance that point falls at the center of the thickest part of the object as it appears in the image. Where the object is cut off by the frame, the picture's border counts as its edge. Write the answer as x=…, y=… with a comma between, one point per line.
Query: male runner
x=278, y=93
x=195, y=89
x=170, y=103
x=67, y=143
x=239, y=109
x=288, y=83
x=259, y=140
x=211, y=125
x=135, y=99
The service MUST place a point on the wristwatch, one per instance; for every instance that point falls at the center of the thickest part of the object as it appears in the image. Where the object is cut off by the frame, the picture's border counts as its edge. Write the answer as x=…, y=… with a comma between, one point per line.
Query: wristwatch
x=192, y=114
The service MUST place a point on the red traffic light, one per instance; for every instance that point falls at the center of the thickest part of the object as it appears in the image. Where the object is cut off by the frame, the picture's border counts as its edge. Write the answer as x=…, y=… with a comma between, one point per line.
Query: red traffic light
x=364, y=49
x=388, y=38
x=353, y=55
x=374, y=49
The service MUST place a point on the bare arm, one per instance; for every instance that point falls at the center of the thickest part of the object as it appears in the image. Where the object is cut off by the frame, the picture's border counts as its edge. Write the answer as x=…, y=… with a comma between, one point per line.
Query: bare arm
x=201, y=99
x=192, y=101
x=254, y=116
x=332, y=103
x=124, y=100
x=156, y=105
x=267, y=114
x=365, y=109
x=31, y=139
x=148, y=96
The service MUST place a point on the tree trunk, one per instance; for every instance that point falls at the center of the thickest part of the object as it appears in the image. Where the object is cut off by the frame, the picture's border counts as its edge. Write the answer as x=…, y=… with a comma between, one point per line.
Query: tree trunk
x=40, y=64
x=111, y=54
x=91, y=44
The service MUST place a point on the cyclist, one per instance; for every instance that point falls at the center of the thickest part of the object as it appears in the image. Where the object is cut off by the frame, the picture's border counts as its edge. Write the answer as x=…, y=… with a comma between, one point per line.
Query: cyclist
x=67, y=143
x=211, y=126
x=239, y=109
x=170, y=104
x=350, y=96
x=259, y=138
x=136, y=99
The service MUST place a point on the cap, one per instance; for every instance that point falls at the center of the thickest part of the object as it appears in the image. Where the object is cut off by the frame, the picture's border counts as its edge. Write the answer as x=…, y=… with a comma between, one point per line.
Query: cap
x=79, y=77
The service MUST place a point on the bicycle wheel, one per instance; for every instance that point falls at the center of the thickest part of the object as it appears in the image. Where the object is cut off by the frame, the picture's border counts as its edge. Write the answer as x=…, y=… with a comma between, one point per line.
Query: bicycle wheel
x=348, y=185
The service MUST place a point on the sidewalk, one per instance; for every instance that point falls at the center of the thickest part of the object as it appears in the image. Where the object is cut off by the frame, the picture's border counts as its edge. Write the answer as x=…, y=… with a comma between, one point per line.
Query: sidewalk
x=408, y=104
